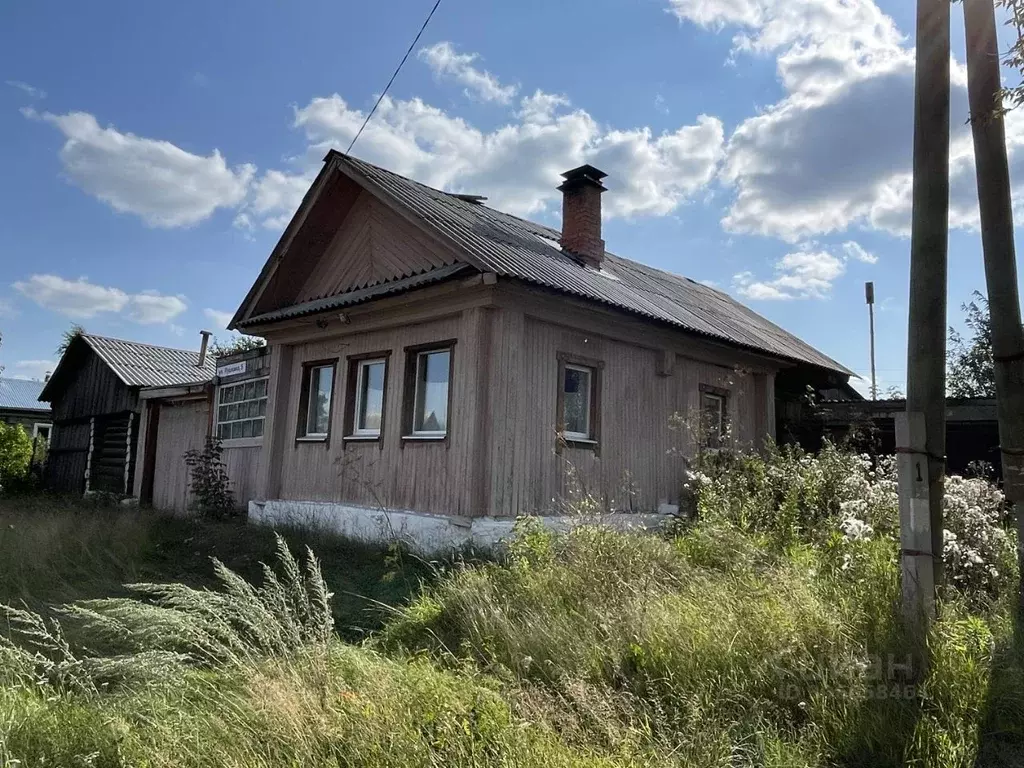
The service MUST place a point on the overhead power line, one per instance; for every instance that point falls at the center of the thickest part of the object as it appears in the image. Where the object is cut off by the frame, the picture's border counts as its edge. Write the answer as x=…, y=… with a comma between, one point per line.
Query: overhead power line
x=397, y=70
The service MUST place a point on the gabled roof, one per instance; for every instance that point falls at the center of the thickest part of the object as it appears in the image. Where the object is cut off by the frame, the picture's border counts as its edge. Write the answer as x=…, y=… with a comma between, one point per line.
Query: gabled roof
x=137, y=364
x=22, y=395
x=509, y=246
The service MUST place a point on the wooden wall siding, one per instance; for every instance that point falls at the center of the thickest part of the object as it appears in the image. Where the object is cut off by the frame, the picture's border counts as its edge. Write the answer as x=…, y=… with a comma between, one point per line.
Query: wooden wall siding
x=65, y=463
x=372, y=245
x=93, y=389
x=181, y=427
x=423, y=476
x=302, y=253
x=638, y=464
x=242, y=466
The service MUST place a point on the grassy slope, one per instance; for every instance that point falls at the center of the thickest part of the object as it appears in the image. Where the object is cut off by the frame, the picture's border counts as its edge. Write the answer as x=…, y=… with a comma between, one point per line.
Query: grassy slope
x=715, y=648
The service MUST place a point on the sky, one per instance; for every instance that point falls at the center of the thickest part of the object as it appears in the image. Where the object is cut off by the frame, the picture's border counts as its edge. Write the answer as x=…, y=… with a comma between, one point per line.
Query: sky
x=153, y=153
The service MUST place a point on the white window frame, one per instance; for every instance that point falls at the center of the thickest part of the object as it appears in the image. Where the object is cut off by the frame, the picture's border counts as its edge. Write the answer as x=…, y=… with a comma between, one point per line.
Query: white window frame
x=720, y=426
x=230, y=385
x=361, y=367
x=309, y=401
x=588, y=432
x=44, y=425
x=421, y=369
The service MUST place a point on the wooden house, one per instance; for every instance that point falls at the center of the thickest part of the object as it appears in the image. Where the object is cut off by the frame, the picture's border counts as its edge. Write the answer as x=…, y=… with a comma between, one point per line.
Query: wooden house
x=434, y=356
x=19, y=405
x=94, y=393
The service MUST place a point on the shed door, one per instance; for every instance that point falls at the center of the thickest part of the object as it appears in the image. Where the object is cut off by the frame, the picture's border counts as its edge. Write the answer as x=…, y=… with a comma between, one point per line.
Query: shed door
x=181, y=427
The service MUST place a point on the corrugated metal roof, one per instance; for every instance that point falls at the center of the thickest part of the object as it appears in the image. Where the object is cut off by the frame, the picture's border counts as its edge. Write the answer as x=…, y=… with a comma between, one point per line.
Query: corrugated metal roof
x=514, y=247
x=22, y=395
x=144, y=365
x=363, y=294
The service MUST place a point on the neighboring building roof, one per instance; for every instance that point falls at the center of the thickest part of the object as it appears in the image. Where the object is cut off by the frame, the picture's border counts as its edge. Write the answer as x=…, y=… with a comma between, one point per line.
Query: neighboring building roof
x=143, y=365
x=512, y=247
x=22, y=395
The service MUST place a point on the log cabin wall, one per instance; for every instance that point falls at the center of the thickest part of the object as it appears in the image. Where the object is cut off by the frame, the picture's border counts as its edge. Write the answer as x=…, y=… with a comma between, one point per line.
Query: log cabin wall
x=95, y=410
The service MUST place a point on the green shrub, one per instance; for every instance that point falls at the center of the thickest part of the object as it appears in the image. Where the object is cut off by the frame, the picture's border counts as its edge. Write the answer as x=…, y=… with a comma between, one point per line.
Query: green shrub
x=209, y=483
x=15, y=453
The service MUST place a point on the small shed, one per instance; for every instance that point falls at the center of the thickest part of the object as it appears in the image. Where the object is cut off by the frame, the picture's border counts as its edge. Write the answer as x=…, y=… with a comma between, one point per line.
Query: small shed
x=19, y=404
x=94, y=392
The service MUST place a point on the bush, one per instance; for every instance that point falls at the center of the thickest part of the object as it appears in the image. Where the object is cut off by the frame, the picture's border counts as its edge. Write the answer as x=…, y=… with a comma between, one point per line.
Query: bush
x=15, y=453
x=209, y=482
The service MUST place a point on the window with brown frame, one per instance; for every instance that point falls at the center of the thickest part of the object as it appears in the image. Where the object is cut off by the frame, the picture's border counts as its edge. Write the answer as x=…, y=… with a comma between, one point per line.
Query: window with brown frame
x=365, y=397
x=316, y=400
x=579, y=400
x=428, y=378
x=714, y=416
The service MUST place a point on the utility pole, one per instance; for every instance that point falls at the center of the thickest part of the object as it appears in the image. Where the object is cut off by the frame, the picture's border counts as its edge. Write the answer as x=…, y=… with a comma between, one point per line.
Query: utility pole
x=869, y=296
x=996, y=209
x=921, y=432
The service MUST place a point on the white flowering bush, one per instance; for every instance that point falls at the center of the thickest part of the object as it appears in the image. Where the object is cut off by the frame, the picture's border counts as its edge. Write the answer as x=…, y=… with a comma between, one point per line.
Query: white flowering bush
x=837, y=499
x=978, y=553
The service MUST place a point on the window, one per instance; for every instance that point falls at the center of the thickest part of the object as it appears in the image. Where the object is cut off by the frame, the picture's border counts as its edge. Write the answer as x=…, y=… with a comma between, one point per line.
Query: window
x=578, y=405
x=368, y=407
x=429, y=390
x=577, y=393
x=41, y=431
x=316, y=401
x=713, y=418
x=241, y=409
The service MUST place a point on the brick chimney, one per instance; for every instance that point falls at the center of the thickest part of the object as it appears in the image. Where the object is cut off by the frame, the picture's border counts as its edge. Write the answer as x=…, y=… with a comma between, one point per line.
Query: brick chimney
x=581, y=214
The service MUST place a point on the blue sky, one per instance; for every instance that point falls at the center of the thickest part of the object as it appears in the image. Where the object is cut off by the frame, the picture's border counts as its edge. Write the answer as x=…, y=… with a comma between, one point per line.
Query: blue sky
x=152, y=153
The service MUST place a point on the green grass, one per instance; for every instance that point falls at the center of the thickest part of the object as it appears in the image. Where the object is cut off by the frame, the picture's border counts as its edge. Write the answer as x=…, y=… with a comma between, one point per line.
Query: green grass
x=56, y=550
x=721, y=645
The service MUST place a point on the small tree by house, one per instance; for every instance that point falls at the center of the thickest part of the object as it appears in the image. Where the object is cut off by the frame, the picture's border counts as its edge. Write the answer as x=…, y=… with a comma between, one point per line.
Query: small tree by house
x=209, y=481
x=236, y=344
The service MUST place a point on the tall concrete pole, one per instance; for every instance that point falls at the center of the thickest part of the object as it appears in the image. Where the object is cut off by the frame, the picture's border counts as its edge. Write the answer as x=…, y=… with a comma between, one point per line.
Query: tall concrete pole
x=926, y=348
x=996, y=209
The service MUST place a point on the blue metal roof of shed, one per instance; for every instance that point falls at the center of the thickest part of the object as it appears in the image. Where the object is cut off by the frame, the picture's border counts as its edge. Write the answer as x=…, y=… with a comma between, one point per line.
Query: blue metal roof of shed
x=21, y=395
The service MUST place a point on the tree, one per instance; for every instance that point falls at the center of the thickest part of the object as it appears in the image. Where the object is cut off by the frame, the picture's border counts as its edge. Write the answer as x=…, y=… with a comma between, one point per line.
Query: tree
x=970, y=365
x=1014, y=97
x=235, y=345
x=69, y=335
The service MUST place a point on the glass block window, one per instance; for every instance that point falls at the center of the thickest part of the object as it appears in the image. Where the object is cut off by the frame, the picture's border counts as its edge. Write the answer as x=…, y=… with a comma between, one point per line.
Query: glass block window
x=241, y=409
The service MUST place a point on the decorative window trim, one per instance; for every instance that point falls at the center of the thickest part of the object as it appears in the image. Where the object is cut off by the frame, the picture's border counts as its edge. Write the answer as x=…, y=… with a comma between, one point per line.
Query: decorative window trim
x=353, y=395
x=596, y=368
x=410, y=392
x=218, y=402
x=301, y=435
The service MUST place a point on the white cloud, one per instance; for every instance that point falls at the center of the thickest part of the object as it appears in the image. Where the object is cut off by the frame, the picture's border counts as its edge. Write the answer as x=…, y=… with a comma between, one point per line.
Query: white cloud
x=835, y=152
x=660, y=104
x=156, y=180
x=445, y=62
x=516, y=165
x=31, y=90
x=219, y=318
x=149, y=307
x=802, y=274
x=32, y=369
x=855, y=251
x=79, y=299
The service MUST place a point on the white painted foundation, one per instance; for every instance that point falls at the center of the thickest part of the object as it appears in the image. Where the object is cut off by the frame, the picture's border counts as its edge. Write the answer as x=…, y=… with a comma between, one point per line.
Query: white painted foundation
x=423, y=533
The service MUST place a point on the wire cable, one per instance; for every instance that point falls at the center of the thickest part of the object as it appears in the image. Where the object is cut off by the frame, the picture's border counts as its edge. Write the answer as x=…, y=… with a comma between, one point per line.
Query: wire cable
x=397, y=70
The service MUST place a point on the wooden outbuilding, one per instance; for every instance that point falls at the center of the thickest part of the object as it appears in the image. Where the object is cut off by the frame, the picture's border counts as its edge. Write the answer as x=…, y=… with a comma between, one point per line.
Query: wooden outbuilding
x=94, y=394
